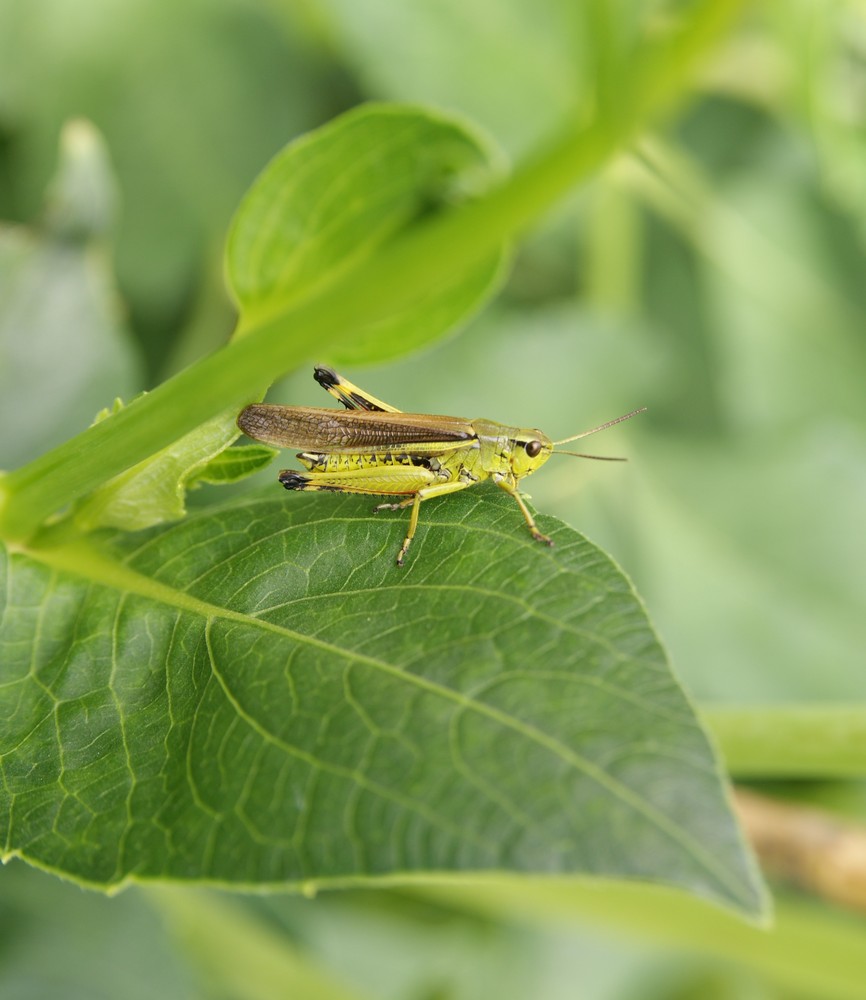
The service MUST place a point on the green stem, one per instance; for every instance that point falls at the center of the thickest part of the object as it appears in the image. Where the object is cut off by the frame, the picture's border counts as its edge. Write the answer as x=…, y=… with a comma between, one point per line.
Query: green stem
x=791, y=741
x=426, y=257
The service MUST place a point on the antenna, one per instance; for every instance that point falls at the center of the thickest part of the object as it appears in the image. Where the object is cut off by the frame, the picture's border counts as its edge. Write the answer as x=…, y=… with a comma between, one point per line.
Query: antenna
x=595, y=430
x=599, y=458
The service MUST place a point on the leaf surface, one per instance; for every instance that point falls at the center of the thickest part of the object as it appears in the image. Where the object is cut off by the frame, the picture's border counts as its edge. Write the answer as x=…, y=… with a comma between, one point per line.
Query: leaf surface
x=258, y=696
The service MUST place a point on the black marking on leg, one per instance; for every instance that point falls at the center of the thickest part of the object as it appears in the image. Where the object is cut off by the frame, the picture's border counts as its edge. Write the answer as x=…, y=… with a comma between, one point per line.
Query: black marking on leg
x=365, y=403
x=293, y=480
x=326, y=377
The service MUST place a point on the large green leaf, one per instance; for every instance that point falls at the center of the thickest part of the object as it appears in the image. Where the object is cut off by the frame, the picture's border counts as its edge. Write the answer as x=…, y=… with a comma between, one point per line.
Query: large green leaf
x=258, y=696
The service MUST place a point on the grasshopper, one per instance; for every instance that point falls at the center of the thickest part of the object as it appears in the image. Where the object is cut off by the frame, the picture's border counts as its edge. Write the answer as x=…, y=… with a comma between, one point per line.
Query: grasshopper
x=374, y=448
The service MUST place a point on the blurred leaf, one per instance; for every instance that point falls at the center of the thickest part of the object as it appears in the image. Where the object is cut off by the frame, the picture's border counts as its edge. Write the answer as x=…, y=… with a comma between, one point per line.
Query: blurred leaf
x=64, y=349
x=331, y=198
x=531, y=59
x=59, y=943
x=790, y=345
x=780, y=282
x=825, y=65
x=258, y=696
x=82, y=198
x=189, y=113
x=809, y=951
x=395, y=944
x=240, y=956
x=780, y=614
x=755, y=467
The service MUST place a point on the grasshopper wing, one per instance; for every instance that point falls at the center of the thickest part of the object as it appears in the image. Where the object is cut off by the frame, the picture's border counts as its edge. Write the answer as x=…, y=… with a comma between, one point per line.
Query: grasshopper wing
x=354, y=431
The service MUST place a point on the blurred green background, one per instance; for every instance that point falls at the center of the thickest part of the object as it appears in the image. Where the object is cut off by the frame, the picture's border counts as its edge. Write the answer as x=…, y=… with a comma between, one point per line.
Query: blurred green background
x=713, y=273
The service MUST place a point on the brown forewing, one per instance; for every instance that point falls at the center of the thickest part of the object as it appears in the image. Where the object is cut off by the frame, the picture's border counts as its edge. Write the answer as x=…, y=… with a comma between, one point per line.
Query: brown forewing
x=320, y=429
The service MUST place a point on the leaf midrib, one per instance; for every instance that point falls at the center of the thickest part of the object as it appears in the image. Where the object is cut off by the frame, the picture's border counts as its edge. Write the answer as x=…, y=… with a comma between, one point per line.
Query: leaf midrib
x=82, y=559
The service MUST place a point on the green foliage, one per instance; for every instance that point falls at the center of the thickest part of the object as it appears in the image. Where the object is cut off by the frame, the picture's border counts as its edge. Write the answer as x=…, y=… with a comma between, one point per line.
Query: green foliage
x=61, y=942
x=712, y=271
x=531, y=725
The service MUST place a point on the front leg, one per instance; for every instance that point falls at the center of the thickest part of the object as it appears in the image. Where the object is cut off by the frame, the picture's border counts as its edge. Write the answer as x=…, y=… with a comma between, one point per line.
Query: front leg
x=511, y=489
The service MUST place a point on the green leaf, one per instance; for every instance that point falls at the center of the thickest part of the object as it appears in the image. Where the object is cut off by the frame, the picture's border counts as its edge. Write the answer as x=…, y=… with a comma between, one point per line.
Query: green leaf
x=323, y=204
x=259, y=697
x=155, y=490
x=235, y=464
x=331, y=198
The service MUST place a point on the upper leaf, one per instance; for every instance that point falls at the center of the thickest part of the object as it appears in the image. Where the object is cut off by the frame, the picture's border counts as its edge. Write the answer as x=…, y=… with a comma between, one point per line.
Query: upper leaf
x=259, y=696
x=329, y=199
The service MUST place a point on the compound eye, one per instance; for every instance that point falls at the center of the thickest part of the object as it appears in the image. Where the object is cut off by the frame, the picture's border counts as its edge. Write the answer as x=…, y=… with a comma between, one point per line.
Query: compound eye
x=532, y=448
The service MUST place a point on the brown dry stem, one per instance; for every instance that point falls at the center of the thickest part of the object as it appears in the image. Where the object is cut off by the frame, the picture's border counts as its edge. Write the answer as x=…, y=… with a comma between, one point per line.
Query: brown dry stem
x=812, y=849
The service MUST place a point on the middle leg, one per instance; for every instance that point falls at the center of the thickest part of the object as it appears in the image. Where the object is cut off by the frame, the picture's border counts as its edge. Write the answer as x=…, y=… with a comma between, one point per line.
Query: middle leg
x=440, y=489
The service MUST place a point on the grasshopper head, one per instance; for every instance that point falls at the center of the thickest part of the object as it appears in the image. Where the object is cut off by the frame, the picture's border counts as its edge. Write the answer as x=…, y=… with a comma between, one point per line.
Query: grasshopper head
x=530, y=450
